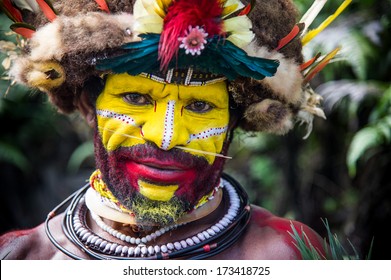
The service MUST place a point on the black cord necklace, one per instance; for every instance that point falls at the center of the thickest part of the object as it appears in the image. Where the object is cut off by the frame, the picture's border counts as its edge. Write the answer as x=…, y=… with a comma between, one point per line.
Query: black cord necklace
x=208, y=243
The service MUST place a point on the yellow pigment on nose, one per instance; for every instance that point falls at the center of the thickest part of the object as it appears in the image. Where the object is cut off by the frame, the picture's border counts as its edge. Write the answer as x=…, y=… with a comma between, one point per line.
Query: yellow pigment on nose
x=155, y=192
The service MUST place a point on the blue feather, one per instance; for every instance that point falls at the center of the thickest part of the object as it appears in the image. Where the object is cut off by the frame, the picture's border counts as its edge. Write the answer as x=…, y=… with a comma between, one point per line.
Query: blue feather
x=141, y=56
x=219, y=57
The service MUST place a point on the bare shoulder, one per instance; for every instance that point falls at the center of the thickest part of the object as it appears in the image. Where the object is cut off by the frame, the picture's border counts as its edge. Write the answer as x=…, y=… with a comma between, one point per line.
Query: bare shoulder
x=267, y=237
x=33, y=244
x=23, y=244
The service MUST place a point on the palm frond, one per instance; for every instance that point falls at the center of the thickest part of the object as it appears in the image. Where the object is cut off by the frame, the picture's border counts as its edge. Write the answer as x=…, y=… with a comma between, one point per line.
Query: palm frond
x=79, y=155
x=13, y=155
x=333, y=247
x=303, y=244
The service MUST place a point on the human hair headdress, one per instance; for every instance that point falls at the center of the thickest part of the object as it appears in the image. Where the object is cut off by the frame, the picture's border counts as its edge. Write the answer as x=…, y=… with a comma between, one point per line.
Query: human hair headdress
x=255, y=45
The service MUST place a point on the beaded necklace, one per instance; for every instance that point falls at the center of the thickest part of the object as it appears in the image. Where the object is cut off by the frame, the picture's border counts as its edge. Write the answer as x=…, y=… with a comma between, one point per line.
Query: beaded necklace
x=206, y=243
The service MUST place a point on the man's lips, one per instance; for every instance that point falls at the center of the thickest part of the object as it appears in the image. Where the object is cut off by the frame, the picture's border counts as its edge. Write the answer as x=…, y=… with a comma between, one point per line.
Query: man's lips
x=160, y=172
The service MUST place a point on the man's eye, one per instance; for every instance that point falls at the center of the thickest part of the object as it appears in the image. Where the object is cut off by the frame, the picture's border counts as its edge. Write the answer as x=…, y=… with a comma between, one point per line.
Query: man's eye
x=199, y=107
x=137, y=99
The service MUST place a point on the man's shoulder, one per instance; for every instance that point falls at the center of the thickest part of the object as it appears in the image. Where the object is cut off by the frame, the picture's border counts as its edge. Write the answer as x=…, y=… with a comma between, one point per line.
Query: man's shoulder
x=18, y=244
x=278, y=231
x=30, y=244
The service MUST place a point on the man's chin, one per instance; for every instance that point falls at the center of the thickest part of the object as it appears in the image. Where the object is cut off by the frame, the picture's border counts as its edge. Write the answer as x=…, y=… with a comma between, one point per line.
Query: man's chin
x=160, y=213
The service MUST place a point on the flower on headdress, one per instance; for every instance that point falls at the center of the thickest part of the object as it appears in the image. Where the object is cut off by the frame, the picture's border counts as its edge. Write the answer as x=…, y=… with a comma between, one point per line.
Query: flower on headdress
x=194, y=40
x=171, y=19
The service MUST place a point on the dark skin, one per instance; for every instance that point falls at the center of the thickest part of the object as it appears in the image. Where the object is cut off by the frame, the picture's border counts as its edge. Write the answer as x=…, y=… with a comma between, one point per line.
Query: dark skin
x=266, y=236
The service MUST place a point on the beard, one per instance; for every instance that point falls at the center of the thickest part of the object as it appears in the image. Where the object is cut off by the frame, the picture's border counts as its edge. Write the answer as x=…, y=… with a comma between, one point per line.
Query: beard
x=122, y=181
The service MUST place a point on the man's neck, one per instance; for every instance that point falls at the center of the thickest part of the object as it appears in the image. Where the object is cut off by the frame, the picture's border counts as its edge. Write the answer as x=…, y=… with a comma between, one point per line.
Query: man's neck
x=95, y=204
x=206, y=216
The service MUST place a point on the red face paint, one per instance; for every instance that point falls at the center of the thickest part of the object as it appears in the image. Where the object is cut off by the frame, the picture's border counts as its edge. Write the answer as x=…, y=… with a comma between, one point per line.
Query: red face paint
x=123, y=168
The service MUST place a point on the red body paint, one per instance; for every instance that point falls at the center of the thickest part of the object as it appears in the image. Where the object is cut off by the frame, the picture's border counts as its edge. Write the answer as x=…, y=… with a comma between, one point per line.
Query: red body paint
x=284, y=226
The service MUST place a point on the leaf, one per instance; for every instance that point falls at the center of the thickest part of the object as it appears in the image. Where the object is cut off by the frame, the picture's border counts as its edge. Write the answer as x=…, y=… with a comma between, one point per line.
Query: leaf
x=13, y=155
x=334, y=248
x=368, y=138
x=303, y=244
x=383, y=107
x=336, y=251
x=358, y=50
x=80, y=154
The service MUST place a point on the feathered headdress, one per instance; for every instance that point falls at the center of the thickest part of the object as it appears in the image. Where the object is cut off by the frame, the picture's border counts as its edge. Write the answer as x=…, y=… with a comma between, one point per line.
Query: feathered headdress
x=255, y=46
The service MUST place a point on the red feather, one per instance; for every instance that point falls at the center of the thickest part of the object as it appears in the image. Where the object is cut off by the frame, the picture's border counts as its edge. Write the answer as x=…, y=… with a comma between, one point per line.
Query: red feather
x=103, y=5
x=292, y=35
x=47, y=9
x=317, y=68
x=12, y=12
x=247, y=9
x=308, y=63
x=184, y=13
x=25, y=32
x=23, y=29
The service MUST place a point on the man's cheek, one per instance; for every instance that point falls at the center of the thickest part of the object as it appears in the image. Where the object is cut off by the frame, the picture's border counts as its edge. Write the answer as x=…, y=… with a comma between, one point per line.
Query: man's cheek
x=118, y=133
x=207, y=147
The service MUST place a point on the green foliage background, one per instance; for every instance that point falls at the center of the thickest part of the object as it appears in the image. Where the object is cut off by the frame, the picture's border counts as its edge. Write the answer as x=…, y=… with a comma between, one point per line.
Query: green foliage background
x=340, y=173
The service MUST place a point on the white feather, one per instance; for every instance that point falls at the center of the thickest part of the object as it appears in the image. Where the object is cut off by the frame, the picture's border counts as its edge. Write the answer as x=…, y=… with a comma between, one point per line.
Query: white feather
x=311, y=14
x=30, y=5
x=240, y=30
x=288, y=78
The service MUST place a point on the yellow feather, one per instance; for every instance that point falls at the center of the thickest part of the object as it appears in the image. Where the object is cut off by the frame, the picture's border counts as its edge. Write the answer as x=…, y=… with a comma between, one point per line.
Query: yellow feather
x=229, y=10
x=231, y=6
x=312, y=34
x=161, y=7
x=149, y=24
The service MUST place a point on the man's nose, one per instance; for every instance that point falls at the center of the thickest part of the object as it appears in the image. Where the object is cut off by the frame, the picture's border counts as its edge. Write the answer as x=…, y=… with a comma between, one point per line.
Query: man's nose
x=166, y=127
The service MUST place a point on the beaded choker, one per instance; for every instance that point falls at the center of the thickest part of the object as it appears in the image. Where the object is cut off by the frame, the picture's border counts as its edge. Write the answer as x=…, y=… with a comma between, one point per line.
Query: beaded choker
x=208, y=242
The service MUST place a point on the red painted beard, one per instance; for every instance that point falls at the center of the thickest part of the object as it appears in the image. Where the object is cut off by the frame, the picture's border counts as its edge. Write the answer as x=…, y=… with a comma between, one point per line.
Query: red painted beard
x=122, y=168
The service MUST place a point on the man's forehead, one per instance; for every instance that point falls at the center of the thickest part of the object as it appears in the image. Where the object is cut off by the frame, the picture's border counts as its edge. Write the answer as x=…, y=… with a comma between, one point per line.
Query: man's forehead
x=121, y=83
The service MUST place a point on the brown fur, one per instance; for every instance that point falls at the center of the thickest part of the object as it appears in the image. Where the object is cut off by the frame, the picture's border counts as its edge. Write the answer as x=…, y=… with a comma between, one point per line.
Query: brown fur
x=269, y=116
x=74, y=7
x=273, y=20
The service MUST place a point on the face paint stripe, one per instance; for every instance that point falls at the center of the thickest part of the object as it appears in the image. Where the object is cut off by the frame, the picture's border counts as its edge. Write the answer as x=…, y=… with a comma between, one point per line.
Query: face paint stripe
x=168, y=125
x=112, y=115
x=209, y=133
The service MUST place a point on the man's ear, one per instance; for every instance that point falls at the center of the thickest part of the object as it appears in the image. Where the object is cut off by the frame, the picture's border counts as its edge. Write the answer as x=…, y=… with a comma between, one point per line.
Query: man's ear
x=86, y=108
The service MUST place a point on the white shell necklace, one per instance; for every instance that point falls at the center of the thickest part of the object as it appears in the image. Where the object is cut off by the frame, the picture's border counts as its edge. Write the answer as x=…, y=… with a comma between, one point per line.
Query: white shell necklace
x=141, y=250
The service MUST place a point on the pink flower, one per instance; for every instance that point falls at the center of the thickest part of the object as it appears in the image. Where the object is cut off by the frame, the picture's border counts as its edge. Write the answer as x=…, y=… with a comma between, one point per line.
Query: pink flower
x=194, y=40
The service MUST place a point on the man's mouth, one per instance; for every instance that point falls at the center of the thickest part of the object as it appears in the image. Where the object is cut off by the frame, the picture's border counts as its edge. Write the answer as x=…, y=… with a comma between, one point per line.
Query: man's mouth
x=160, y=172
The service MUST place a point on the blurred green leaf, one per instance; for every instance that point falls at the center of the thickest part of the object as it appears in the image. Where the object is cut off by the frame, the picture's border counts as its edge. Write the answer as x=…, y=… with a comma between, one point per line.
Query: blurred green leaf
x=367, y=138
x=81, y=153
x=13, y=155
x=358, y=50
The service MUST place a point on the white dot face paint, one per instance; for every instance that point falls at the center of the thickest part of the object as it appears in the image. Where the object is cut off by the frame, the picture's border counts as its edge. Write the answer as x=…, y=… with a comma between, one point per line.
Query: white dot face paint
x=168, y=125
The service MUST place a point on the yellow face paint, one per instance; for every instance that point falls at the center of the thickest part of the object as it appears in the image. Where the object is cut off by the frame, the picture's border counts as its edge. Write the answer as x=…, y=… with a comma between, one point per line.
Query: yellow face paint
x=155, y=192
x=133, y=110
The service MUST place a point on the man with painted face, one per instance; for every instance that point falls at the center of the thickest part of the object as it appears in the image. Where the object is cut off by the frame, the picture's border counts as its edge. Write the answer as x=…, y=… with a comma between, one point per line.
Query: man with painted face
x=157, y=144
x=164, y=84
